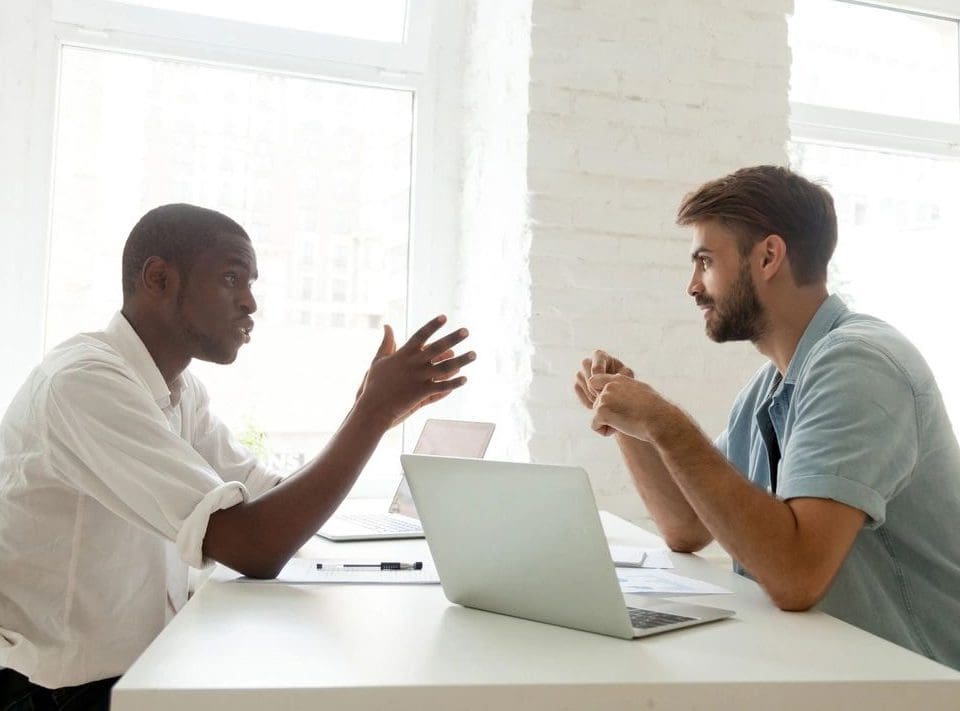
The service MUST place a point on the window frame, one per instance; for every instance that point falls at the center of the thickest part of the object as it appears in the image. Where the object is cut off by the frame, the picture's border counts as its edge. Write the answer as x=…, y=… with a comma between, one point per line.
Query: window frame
x=814, y=123
x=108, y=18
x=145, y=31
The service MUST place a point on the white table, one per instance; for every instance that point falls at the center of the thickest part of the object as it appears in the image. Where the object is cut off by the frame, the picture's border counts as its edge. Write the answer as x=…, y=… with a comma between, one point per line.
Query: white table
x=255, y=646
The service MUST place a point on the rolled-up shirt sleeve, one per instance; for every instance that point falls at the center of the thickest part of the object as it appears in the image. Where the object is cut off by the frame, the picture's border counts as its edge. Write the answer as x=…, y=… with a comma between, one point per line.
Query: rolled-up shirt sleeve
x=112, y=442
x=217, y=444
x=856, y=436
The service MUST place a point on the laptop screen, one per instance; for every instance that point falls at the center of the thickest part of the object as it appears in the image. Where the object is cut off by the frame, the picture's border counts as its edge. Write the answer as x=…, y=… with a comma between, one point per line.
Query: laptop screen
x=446, y=438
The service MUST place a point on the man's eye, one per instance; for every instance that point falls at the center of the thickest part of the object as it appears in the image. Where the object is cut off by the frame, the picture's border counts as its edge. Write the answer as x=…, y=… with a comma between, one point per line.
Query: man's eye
x=704, y=263
x=231, y=279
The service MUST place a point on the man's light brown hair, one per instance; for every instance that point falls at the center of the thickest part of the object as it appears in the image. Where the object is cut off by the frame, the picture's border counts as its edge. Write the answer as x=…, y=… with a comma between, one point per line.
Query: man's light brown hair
x=764, y=200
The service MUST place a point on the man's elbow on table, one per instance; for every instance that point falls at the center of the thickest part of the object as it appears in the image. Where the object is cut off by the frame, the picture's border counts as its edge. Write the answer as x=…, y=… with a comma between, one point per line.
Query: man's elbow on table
x=236, y=538
x=797, y=599
x=800, y=590
x=685, y=539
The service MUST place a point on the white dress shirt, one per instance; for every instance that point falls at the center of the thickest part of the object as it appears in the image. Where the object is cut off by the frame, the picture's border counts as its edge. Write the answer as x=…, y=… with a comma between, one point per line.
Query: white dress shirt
x=107, y=481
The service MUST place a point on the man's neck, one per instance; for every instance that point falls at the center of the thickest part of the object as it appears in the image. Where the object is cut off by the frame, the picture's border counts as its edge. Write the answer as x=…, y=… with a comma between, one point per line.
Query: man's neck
x=788, y=320
x=160, y=343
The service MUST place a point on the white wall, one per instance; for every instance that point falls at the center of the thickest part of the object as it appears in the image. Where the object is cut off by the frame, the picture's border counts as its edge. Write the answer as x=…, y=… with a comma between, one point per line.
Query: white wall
x=632, y=105
x=27, y=71
x=493, y=286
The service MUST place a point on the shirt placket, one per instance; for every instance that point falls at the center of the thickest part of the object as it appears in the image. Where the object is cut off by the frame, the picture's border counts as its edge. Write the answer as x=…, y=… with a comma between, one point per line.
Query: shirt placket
x=769, y=417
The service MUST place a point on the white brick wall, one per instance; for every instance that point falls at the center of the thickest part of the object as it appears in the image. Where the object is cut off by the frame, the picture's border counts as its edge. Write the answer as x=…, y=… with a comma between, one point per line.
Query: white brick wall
x=481, y=57
x=493, y=287
x=632, y=105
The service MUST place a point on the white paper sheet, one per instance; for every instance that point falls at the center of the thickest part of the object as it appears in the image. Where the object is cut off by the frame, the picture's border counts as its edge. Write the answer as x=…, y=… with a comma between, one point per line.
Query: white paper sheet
x=304, y=570
x=641, y=581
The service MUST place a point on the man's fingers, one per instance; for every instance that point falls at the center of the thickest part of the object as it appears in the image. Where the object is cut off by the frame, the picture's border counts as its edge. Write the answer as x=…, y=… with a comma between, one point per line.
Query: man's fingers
x=598, y=382
x=600, y=424
x=419, y=339
x=446, y=355
x=582, y=386
x=445, y=386
x=598, y=364
x=582, y=380
x=446, y=343
x=586, y=371
x=587, y=401
x=451, y=366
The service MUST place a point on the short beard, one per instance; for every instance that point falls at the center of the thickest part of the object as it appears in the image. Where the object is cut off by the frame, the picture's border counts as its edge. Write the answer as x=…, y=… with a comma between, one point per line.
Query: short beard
x=739, y=316
x=202, y=346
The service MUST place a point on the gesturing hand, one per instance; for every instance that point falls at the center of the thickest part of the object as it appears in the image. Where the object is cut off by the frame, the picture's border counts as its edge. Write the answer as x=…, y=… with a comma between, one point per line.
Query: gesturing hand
x=401, y=381
x=626, y=405
x=602, y=363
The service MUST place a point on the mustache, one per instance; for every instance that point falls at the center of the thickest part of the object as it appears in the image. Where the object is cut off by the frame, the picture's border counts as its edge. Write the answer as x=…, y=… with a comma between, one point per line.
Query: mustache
x=703, y=301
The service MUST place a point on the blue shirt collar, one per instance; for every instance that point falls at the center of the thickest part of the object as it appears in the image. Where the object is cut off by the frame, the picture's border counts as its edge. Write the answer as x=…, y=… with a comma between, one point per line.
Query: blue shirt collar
x=830, y=311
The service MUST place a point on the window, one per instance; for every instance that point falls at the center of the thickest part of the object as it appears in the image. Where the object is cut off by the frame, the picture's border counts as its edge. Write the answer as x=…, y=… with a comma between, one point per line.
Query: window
x=290, y=148
x=854, y=56
x=379, y=20
x=876, y=118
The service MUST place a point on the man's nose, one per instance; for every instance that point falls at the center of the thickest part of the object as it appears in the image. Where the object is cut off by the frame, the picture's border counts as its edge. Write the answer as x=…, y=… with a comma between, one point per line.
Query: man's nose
x=248, y=302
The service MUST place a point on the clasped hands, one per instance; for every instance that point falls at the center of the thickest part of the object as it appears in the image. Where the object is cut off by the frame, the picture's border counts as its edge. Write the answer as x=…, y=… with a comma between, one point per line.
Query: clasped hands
x=620, y=403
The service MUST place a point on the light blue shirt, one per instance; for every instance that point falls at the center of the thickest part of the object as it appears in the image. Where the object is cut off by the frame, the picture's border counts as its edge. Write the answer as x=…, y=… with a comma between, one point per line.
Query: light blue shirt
x=859, y=419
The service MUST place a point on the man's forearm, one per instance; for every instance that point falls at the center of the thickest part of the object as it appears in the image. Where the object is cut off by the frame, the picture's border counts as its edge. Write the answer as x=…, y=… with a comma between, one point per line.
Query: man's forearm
x=675, y=518
x=258, y=537
x=758, y=530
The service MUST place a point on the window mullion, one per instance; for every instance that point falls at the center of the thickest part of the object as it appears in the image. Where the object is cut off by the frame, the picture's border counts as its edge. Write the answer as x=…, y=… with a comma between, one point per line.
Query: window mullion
x=825, y=124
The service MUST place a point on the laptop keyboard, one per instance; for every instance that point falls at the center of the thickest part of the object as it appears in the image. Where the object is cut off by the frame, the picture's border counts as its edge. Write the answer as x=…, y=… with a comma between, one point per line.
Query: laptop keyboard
x=381, y=523
x=648, y=619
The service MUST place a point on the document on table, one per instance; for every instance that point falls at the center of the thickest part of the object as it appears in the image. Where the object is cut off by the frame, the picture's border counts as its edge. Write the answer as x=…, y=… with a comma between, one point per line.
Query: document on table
x=305, y=570
x=640, y=581
x=633, y=557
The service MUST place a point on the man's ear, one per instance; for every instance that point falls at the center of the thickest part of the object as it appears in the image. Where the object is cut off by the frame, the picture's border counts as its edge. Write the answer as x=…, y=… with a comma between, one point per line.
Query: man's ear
x=773, y=256
x=159, y=278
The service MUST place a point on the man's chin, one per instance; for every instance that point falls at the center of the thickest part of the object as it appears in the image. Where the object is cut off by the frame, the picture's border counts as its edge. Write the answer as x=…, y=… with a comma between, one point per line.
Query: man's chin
x=715, y=337
x=225, y=358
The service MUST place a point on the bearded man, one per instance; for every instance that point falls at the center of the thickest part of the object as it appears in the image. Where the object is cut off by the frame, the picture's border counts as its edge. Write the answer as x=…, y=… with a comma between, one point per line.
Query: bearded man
x=837, y=480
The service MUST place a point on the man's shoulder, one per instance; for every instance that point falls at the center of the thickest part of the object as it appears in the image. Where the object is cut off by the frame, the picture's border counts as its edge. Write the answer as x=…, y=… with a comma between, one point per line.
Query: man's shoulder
x=72, y=371
x=863, y=339
x=86, y=355
x=83, y=349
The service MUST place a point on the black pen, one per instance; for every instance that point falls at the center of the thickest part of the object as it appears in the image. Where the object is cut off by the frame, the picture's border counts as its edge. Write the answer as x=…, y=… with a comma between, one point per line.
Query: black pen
x=373, y=566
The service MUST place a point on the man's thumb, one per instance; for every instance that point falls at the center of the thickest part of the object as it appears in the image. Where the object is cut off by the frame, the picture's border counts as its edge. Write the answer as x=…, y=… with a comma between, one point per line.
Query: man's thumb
x=388, y=345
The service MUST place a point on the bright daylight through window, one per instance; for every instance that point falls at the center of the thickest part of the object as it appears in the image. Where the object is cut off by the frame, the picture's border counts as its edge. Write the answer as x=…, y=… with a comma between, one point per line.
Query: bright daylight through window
x=377, y=20
x=879, y=94
x=318, y=172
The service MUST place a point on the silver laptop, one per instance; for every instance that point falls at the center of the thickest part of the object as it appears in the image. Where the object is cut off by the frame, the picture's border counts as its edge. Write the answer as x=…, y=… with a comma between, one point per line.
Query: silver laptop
x=525, y=540
x=457, y=438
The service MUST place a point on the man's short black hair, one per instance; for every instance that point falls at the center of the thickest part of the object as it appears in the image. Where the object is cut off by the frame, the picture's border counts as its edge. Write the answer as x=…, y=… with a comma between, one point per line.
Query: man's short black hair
x=177, y=233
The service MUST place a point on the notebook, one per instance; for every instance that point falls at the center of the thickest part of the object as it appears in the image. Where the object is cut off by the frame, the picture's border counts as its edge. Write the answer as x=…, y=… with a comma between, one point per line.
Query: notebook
x=457, y=438
x=526, y=540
